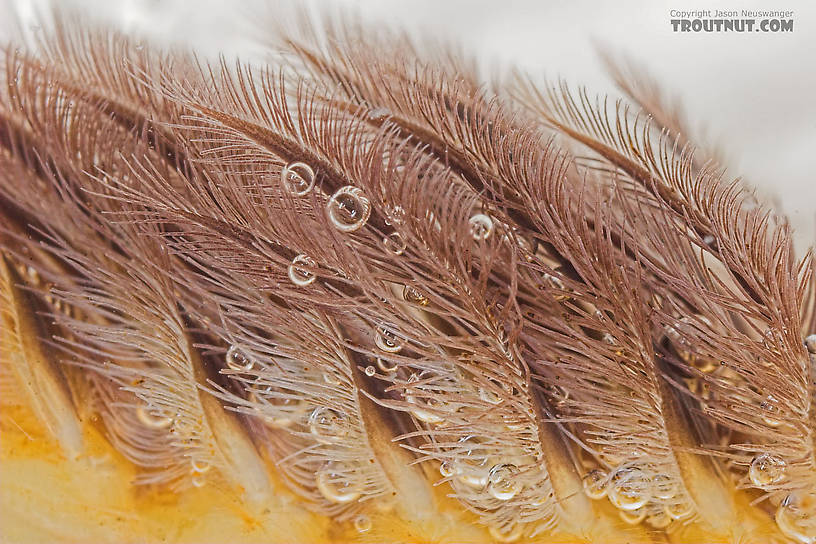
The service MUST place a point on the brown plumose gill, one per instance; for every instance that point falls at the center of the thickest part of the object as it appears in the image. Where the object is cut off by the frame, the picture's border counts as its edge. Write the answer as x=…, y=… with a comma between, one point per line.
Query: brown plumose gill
x=360, y=294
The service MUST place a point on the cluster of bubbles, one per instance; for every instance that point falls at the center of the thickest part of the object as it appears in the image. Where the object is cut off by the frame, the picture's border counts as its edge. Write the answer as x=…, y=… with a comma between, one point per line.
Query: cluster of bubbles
x=473, y=468
x=348, y=210
x=635, y=492
x=796, y=514
x=338, y=480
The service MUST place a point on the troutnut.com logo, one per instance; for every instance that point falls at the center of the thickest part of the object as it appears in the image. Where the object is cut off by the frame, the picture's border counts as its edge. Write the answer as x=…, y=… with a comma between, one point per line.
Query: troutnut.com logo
x=744, y=20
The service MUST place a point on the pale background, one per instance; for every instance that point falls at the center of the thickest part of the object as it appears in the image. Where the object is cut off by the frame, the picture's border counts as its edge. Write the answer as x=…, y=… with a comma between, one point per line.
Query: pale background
x=753, y=94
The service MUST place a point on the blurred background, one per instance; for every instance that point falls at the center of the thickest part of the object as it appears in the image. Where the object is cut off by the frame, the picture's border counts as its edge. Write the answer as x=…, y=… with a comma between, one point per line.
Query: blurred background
x=751, y=94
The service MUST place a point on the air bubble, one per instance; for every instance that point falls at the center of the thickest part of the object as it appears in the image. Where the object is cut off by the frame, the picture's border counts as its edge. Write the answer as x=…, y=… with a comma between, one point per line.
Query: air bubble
x=336, y=482
x=678, y=510
x=387, y=340
x=796, y=517
x=331, y=378
x=362, y=523
x=506, y=534
x=299, y=272
x=237, y=359
x=503, y=483
x=659, y=521
x=33, y=275
x=198, y=480
x=490, y=396
x=446, y=469
x=199, y=466
x=595, y=484
x=395, y=243
x=471, y=463
x=419, y=411
x=348, y=209
x=770, y=411
x=378, y=114
x=633, y=517
x=370, y=371
x=298, y=178
x=629, y=488
x=413, y=296
x=284, y=411
x=395, y=215
x=386, y=366
x=328, y=426
x=149, y=420
x=481, y=226
x=766, y=470
x=810, y=344
x=663, y=487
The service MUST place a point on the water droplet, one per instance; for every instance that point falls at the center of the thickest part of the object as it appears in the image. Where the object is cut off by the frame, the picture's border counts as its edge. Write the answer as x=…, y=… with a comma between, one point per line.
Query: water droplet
x=810, y=343
x=336, y=481
x=298, y=178
x=387, y=366
x=629, y=488
x=328, y=426
x=678, y=510
x=595, y=484
x=632, y=517
x=503, y=482
x=198, y=480
x=370, y=371
x=362, y=523
x=796, y=517
x=348, y=209
x=446, y=469
x=766, y=469
x=299, y=272
x=200, y=466
x=149, y=420
x=237, y=359
x=395, y=243
x=663, y=487
x=413, y=296
x=387, y=340
x=481, y=226
x=506, y=534
x=770, y=411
